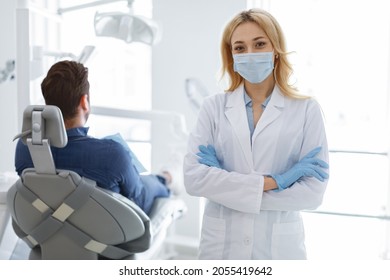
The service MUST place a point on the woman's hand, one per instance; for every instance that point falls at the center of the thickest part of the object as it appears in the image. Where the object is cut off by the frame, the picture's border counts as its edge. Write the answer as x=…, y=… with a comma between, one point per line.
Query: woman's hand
x=308, y=166
x=208, y=156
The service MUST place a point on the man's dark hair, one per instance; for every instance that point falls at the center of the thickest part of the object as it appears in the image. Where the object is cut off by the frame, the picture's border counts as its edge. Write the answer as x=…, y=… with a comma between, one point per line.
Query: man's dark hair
x=64, y=85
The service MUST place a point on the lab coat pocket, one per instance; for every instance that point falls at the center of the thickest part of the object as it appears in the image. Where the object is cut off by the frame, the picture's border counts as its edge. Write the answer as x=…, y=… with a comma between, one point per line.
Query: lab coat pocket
x=288, y=241
x=213, y=238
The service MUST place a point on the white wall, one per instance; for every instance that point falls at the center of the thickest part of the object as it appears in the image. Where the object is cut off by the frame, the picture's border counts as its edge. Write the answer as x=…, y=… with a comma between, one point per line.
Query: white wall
x=8, y=99
x=189, y=48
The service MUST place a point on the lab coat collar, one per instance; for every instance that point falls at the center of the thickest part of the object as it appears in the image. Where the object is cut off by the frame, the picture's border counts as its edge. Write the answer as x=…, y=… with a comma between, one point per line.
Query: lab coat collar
x=272, y=111
x=236, y=114
x=277, y=98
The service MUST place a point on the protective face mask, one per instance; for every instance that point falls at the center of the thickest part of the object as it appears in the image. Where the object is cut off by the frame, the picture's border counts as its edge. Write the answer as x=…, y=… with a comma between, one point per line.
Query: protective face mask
x=254, y=67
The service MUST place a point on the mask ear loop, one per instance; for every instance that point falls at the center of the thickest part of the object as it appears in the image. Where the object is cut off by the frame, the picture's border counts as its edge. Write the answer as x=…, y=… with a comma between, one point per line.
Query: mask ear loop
x=276, y=64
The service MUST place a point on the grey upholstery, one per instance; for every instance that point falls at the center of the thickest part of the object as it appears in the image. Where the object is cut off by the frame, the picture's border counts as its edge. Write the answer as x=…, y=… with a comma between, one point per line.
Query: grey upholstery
x=61, y=215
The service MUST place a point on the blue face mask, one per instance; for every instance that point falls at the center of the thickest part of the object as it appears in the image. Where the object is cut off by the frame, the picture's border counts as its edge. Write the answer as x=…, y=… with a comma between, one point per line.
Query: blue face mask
x=254, y=67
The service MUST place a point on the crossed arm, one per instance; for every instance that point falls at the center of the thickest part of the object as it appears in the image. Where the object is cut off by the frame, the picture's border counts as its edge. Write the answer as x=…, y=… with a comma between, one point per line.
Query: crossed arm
x=308, y=166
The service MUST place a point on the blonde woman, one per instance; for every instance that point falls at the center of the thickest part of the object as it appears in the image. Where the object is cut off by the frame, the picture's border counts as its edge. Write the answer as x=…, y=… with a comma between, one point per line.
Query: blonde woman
x=258, y=152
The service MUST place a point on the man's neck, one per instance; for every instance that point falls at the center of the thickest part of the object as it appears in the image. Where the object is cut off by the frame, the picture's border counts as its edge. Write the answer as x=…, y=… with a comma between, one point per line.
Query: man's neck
x=73, y=123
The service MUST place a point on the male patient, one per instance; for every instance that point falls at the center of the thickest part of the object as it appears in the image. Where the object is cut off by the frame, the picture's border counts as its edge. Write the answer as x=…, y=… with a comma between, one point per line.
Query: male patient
x=103, y=160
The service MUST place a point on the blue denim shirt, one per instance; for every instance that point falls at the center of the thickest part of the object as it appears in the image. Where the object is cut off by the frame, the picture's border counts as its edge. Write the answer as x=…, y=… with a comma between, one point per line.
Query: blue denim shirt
x=103, y=160
x=249, y=110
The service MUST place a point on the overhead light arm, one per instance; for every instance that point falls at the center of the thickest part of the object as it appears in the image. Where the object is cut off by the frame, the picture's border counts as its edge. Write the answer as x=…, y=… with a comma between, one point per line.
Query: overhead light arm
x=39, y=52
x=36, y=64
x=89, y=5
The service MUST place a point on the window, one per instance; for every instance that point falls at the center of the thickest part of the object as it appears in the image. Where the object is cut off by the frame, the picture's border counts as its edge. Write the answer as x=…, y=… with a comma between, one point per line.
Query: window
x=341, y=57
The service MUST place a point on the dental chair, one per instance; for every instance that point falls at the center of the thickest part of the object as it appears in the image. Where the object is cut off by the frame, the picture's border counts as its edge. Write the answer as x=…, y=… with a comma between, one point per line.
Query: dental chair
x=61, y=215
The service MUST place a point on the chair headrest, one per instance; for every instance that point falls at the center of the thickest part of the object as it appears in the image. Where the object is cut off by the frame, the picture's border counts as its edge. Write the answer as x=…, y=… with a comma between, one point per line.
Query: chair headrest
x=44, y=122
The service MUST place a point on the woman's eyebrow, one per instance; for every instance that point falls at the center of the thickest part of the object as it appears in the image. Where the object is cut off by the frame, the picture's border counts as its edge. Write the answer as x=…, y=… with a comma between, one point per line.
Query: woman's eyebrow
x=254, y=39
x=238, y=42
x=257, y=38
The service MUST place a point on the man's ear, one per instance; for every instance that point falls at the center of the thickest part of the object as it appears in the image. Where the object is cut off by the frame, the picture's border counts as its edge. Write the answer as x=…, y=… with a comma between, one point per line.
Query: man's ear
x=84, y=103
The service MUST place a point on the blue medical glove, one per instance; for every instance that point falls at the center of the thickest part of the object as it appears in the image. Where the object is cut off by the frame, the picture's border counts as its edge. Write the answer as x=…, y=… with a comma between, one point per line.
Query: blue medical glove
x=308, y=166
x=208, y=156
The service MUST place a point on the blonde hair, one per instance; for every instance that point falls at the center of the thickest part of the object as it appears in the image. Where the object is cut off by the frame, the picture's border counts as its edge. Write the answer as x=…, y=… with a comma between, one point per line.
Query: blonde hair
x=282, y=69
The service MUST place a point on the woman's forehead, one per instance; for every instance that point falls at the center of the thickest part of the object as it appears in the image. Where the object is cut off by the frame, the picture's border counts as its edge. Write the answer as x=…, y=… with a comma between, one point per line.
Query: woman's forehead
x=247, y=31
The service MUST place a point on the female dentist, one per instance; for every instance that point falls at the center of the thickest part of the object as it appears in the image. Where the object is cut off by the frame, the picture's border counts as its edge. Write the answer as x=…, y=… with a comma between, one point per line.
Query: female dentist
x=258, y=152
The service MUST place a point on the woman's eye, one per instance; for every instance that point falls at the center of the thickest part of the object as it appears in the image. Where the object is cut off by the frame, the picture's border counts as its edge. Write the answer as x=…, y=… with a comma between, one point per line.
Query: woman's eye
x=238, y=48
x=260, y=44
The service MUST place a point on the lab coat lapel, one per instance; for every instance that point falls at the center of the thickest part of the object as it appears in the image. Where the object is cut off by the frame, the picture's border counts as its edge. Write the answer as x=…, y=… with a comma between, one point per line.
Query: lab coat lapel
x=272, y=111
x=236, y=114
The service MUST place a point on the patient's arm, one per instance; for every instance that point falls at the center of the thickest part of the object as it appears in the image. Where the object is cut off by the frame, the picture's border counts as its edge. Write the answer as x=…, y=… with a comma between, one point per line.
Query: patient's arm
x=118, y=138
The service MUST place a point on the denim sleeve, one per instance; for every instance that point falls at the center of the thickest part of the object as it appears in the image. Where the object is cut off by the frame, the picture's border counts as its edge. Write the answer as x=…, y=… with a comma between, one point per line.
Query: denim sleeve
x=142, y=189
x=128, y=178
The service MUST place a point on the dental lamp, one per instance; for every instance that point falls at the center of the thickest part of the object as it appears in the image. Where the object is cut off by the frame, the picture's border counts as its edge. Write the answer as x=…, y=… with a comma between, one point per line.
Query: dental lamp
x=125, y=26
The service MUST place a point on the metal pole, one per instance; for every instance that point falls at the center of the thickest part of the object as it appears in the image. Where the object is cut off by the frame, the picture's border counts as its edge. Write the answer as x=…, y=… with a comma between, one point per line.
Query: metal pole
x=22, y=58
x=87, y=5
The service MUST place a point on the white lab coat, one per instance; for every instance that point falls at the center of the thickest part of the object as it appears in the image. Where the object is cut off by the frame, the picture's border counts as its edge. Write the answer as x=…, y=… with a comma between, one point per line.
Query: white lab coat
x=240, y=220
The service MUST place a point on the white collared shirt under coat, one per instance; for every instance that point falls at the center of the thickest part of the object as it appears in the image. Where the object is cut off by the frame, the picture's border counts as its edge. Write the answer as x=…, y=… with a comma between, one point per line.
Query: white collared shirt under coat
x=240, y=220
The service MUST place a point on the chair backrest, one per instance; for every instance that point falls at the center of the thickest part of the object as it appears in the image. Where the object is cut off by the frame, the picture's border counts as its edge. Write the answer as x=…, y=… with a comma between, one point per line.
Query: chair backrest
x=62, y=215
